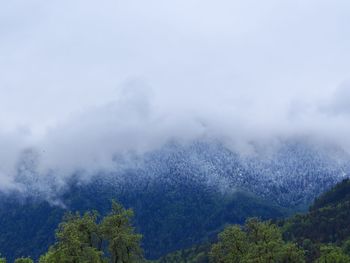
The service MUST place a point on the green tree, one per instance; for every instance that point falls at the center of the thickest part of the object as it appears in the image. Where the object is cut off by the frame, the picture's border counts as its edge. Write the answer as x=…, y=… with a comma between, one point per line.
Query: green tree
x=232, y=246
x=123, y=242
x=255, y=242
x=78, y=241
x=332, y=254
x=2, y=260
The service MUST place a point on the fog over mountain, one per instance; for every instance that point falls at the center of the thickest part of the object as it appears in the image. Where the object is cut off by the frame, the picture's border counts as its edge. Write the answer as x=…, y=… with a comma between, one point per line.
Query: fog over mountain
x=84, y=82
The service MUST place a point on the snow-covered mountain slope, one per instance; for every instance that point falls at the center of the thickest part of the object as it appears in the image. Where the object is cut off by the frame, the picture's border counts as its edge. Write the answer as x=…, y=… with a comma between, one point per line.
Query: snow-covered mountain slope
x=291, y=174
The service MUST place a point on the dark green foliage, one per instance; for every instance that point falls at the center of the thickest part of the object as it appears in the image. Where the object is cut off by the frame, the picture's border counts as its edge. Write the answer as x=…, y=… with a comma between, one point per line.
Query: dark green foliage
x=123, y=243
x=327, y=221
x=338, y=194
x=80, y=239
x=255, y=242
x=332, y=254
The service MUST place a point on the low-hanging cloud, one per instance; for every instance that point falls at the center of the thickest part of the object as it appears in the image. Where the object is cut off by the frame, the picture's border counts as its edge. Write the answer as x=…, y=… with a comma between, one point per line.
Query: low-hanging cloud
x=82, y=81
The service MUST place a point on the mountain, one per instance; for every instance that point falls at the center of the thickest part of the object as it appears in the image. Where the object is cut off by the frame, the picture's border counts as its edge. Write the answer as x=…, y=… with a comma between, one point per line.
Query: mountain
x=322, y=232
x=327, y=220
x=182, y=194
x=169, y=216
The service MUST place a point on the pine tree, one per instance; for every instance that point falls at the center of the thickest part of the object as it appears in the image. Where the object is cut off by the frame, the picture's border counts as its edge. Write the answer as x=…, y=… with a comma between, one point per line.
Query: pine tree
x=123, y=242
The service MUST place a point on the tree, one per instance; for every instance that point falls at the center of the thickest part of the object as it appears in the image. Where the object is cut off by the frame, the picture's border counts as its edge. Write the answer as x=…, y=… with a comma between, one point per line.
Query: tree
x=332, y=254
x=78, y=241
x=232, y=246
x=123, y=242
x=255, y=242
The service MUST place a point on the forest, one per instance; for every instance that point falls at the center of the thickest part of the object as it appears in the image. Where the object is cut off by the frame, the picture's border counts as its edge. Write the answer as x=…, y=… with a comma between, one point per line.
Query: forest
x=320, y=235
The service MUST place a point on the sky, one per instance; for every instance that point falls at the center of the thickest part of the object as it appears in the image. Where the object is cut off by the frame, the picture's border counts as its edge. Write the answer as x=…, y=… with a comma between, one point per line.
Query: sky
x=81, y=80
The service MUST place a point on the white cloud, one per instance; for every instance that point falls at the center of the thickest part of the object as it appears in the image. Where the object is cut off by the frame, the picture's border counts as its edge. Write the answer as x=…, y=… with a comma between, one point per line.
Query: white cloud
x=233, y=70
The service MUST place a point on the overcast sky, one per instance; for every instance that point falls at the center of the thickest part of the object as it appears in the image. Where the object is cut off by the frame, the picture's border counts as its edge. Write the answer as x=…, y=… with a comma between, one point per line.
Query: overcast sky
x=89, y=78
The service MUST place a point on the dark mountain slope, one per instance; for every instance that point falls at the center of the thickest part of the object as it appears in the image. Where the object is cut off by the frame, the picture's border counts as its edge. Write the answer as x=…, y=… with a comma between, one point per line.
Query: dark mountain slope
x=27, y=227
x=338, y=194
x=326, y=222
x=328, y=219
x=169, y=217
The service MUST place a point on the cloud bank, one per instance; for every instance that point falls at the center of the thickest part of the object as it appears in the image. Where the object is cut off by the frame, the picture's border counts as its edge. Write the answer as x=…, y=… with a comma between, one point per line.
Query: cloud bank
x=82, y=81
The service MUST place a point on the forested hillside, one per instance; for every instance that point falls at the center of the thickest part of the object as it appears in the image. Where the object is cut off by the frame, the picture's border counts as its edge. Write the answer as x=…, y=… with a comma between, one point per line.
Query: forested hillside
x=28, y=225
x=321, y=235
x=328, y=220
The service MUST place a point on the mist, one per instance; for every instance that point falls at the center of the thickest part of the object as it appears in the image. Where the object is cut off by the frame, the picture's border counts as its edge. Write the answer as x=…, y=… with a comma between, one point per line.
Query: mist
x=82, y=81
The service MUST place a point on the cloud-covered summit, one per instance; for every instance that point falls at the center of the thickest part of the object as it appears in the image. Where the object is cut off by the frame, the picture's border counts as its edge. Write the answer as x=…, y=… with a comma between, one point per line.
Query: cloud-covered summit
x=81, y=81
